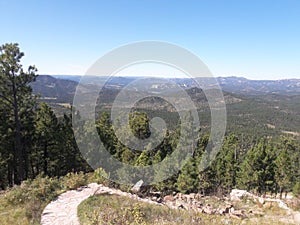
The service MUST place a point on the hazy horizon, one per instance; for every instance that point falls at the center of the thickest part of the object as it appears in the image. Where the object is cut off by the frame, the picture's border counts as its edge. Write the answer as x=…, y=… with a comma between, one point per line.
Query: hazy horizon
x=175, y=77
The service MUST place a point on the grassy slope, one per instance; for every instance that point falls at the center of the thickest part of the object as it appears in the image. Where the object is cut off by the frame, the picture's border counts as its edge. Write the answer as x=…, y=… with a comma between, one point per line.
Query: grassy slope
x=24, y=205
x=112, y=209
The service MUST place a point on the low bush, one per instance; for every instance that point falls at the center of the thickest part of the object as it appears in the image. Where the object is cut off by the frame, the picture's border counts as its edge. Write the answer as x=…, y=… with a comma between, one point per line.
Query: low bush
x=42, y=188
x=73, y=181
x=296, y=189
x=101, y=177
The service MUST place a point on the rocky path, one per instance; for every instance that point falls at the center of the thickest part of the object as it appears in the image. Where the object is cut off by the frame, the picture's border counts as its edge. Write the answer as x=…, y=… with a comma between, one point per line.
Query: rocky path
x=63, y=210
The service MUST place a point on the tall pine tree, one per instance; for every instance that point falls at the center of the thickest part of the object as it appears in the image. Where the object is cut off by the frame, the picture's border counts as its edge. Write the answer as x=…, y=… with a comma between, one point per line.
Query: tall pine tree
x=18, y=102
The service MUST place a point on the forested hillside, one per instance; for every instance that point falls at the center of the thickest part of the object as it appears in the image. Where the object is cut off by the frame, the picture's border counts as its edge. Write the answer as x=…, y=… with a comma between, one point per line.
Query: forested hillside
x=257, y=113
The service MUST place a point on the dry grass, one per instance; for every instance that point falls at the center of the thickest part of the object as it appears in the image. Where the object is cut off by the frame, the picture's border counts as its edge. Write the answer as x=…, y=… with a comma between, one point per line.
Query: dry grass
x=10, y=214
x=112, y=209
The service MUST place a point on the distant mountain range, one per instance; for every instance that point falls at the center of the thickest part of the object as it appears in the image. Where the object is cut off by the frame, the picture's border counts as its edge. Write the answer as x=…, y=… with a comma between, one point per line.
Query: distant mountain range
x=257, y=87
x=61, y=88
x=238, y=85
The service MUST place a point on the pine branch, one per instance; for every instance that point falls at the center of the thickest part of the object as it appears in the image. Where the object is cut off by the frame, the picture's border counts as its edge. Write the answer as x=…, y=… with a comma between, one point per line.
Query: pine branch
x=6, y=99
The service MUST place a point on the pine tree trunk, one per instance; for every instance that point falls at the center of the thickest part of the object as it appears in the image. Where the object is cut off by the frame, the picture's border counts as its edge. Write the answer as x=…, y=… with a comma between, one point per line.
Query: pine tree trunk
x=19, y=151
x=45, y=159
x=280, y=192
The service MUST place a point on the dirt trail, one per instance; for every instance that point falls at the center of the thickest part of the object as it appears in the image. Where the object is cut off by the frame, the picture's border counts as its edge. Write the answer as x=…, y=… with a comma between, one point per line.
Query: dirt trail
x=63, y=210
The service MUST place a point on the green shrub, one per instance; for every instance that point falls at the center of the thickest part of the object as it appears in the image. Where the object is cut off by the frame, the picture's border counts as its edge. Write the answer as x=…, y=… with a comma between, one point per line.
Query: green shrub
x=101, y=177
x=74, y=180
x=296, y=189
x=132, y=213
x=43, y=188
x=15, y=196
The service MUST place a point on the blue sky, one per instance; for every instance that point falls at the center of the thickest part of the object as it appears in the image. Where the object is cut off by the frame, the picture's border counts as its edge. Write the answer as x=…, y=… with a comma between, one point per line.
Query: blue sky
x=254, y=39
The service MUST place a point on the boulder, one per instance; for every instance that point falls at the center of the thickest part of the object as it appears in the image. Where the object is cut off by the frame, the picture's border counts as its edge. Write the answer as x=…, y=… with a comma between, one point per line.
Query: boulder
x=137, y=187
x=223, y=209
x=169, y=198
x=296, y=217
x=238, y=213
x=198, y=196
x=236, y=194
x=208, y=209
x=268, y=205
x=261, y=200
x=256, y=212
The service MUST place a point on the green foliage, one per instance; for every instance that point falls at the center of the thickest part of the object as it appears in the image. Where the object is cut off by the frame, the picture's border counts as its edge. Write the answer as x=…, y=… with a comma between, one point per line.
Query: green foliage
x=42, y=188
x=47, y=146
x=106, y=133
x=225, y=165
x=188, y=179
x=33, y=140
x=206, y=181
x=55, y=151
x=253, y=168
x=100, y=176
x=250, y=166
x=286, y=165
x=296, y=189
x=74, y=180
x=139, y=124
x=283, y=171
x=270, y=166
x=143, y=159
x=16, y=112
x=69, y=158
